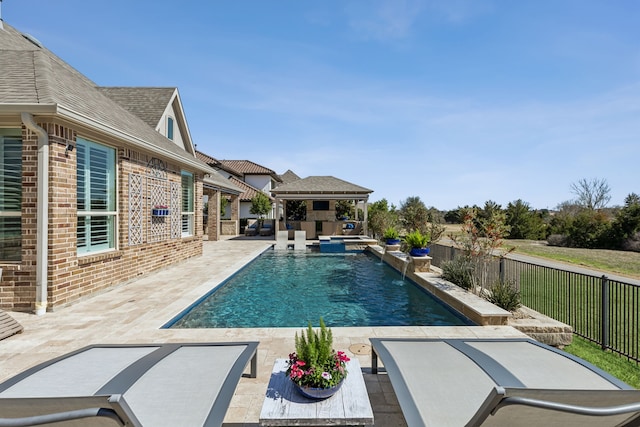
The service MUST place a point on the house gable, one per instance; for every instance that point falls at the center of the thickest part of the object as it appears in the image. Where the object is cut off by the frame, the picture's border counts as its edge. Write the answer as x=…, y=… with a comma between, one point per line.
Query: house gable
x=160, y=107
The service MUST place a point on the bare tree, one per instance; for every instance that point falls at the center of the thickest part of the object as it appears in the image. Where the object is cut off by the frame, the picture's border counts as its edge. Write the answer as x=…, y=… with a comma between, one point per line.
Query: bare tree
x=594, y=194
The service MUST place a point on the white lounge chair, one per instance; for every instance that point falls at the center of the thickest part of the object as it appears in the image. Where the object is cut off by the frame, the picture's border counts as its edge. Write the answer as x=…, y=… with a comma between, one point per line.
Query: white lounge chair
x=501, y=382
x=8, y=325
x=129, y=385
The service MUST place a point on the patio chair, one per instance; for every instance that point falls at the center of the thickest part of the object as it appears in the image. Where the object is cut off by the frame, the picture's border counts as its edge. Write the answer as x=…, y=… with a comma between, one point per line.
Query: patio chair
x=8, y=325
x=251, y=229
x=266, y=229
x=501, y=382
x=129, y=385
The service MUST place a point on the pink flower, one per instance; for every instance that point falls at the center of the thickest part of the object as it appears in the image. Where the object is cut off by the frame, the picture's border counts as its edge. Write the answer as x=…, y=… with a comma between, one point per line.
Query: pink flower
x=296, y=372
x=343, y=357
x=326, y=375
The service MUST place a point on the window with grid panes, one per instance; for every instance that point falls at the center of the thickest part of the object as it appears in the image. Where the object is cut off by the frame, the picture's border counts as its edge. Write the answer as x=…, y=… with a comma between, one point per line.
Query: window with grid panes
x=96, y=197
x=10, y=194
x=188, y=213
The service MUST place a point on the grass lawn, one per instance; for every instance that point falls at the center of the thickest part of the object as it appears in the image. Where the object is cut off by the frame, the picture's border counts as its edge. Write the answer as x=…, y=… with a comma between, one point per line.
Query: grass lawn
x=619, y=367
x=608, y=261
x=618, y=262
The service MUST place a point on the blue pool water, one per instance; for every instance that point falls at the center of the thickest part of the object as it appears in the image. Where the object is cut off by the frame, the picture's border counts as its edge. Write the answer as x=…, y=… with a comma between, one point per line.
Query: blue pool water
x=290, y=289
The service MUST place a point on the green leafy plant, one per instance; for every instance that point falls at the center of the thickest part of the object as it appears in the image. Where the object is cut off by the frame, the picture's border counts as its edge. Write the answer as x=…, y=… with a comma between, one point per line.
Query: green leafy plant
x=504, y=294
x=480, y=239
x=391, y=233
x=315, y=363
x=260, y=205
x=416, y=240
x=459, y=271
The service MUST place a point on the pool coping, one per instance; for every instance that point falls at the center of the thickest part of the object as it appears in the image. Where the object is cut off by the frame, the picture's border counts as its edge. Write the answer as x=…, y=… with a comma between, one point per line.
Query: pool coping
x=477, y=309
x=484, y=313
x=134, y=311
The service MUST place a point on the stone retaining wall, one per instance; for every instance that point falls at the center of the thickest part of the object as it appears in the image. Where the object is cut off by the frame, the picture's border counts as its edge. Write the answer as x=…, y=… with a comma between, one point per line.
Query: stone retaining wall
x=536, y=325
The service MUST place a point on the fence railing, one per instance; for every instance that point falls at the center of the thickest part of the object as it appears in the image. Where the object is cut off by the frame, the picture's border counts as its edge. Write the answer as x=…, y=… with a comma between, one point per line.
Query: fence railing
x=599, y=309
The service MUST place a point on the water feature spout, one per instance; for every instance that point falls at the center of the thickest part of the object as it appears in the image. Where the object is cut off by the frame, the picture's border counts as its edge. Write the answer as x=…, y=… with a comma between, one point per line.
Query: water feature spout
x=404, y=267
x=382, y=257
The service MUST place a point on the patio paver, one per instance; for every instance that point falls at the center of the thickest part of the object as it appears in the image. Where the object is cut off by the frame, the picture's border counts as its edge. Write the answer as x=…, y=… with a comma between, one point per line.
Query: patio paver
x=134, y=312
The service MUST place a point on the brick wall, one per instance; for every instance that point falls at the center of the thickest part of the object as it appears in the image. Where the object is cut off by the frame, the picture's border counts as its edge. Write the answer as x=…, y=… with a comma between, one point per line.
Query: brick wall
x=71, y=277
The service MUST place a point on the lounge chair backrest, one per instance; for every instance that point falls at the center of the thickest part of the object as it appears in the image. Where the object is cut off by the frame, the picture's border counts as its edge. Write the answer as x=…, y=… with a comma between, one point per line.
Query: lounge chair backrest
x=181, y=384
x=90, y=411
x=449, y=383
x=506, y=407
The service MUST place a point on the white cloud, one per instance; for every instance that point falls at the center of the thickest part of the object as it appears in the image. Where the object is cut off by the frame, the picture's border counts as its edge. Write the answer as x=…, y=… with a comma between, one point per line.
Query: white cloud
x=383, y=19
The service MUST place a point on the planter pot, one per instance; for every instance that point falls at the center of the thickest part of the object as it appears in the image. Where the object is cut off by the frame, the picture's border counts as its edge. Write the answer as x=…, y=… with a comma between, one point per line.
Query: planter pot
x=318, y=393
x=391, y=242
x=160, y=212
x=418, y=252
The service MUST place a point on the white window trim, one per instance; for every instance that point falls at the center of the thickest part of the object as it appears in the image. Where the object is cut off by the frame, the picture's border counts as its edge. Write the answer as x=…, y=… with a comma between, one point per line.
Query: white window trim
x=112, y=213
x=190, y=214
x=171, y=120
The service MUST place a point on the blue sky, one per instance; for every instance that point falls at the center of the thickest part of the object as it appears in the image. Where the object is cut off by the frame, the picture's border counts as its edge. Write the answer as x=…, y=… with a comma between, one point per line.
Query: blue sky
x=457, y=102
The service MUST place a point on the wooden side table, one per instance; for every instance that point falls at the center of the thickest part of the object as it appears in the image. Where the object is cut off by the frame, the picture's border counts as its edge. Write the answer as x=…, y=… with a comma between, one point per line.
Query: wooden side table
x=285, y=406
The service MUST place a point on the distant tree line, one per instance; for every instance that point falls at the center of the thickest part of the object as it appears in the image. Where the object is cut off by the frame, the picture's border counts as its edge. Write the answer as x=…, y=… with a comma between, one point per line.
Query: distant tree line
x=584, y=222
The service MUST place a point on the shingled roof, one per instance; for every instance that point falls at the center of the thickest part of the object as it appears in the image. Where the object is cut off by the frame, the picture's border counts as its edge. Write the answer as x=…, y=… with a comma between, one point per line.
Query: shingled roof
x=34, y=80
x=148, y=103
x=289, y=176
x=321, y=187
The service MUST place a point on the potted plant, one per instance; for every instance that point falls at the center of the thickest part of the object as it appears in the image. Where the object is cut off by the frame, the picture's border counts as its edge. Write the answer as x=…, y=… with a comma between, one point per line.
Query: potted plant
x=417, y=243
x=391, y=236
x=315, y=368
x=160, y=210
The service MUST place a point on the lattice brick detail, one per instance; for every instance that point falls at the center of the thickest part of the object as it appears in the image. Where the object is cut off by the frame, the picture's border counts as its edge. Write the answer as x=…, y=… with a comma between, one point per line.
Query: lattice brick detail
x=157, y=169
x=157, y=193
x=176, y=217
x=136, y=209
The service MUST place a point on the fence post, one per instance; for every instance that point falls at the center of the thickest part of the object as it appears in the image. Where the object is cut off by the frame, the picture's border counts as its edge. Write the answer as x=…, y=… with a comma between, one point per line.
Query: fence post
x=604, y=312
x=452, y=253
x=501, y=270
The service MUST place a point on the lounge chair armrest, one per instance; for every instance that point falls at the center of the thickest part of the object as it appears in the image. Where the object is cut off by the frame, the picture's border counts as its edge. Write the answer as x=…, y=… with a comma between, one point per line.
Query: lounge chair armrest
x=563, y=407
x=61, y=416
x=374, y=362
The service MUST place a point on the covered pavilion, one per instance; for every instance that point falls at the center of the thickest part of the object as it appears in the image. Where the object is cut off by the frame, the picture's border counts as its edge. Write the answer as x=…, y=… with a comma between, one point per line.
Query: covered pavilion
x=321, y=194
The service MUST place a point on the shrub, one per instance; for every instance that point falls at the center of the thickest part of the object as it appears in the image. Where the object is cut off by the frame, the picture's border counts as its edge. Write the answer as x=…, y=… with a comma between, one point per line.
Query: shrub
x=458, y=271
x=632, y=243
x=589, y=230
x=558, y=240
x=504, y=294
x=414, y=215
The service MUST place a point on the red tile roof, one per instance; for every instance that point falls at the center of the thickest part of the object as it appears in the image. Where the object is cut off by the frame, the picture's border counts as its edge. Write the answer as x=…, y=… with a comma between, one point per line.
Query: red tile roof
x=248, y=192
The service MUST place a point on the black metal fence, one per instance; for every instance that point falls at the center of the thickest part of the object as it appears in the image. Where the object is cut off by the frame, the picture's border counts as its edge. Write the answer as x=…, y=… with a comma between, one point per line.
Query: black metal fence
x=599, y=309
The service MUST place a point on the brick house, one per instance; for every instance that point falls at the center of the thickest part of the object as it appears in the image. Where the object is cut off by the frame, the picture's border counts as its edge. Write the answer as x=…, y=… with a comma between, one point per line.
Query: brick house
x=251, y=177
x=97, y=185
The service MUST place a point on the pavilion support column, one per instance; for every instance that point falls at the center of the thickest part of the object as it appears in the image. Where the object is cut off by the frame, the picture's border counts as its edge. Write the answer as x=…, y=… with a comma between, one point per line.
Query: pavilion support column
x=235, y=212
x=365, y=225
x=213, y=211
x=284, y=212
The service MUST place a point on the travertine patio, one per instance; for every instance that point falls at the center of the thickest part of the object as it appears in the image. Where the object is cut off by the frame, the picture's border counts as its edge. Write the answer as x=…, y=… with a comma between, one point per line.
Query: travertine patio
x=134, y=312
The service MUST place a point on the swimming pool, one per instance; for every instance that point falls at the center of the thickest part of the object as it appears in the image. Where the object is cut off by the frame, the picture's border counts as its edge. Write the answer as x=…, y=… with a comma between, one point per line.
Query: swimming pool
x=291, y=288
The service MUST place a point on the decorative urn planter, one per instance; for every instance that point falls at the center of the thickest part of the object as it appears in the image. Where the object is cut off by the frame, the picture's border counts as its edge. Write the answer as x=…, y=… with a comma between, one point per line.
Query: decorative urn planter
x=419, y=252
x=391, y=242
x=316, y=370
x=319, y=392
